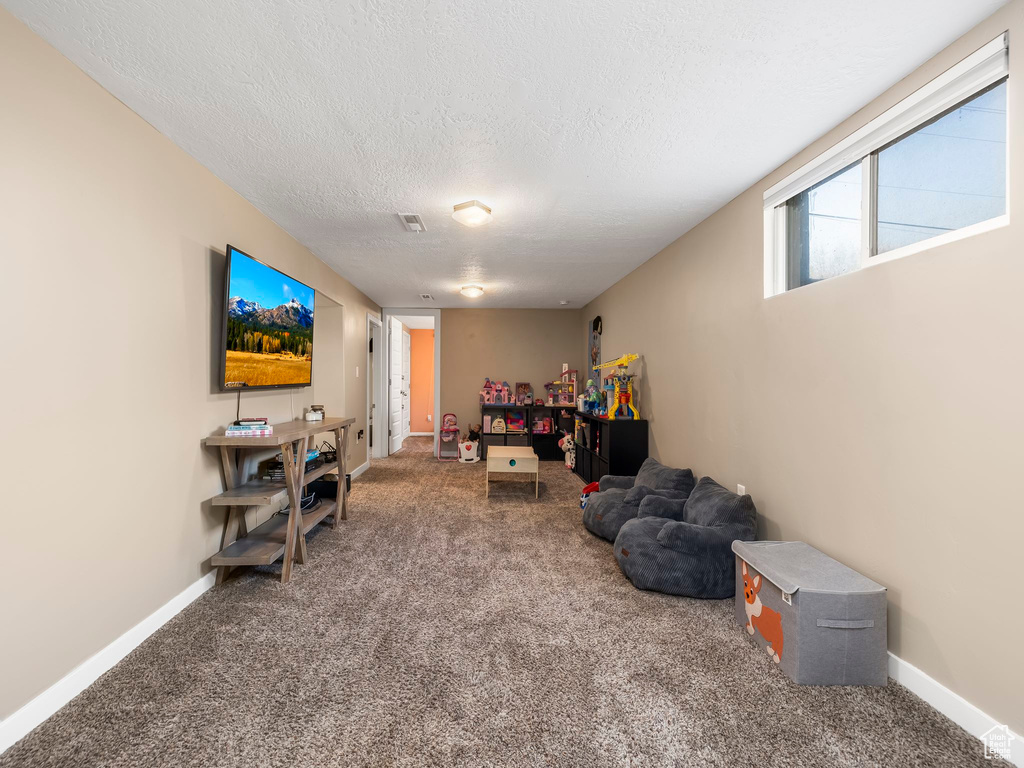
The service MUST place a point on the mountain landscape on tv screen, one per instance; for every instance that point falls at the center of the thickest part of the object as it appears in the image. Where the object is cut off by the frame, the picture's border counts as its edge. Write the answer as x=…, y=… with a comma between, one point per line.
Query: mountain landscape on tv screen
x=268, y=346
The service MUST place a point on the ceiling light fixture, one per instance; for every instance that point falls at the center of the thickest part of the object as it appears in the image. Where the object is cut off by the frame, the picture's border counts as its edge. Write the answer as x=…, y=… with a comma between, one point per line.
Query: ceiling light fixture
x=472, y=213
x=472, y=291
x=563, y=302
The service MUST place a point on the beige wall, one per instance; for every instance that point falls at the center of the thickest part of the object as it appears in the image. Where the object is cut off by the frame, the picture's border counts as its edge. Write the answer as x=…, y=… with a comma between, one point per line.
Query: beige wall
x=877, y=415
x=112, y=256
x=508, y=344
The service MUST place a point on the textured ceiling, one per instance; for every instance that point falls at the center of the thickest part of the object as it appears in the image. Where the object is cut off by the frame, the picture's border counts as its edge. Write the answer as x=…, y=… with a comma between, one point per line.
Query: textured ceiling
x=598, y=131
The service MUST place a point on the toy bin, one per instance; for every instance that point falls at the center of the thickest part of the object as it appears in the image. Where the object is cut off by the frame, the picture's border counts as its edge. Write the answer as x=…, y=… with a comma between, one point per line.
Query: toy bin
x=820, y=621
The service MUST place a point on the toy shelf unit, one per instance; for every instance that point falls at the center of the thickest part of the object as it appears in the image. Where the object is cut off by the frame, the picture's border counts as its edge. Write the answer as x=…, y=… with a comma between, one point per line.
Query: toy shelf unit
x=524, y=426
x=608, y=447
x=283, y=535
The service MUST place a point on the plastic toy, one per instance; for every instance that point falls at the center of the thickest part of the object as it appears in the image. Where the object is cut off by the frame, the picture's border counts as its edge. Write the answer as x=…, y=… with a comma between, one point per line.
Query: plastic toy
x=448, y=439
x=496, y=393
x=585, y=495
x=563, y=389
x=498, y=426
x=591, y=397
x=524, y=393
x=623, y=388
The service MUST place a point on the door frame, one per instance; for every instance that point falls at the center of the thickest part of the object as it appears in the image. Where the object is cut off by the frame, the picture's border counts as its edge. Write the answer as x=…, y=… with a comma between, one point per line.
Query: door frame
x=375, y=331
x=386, y=313
x=407, y=397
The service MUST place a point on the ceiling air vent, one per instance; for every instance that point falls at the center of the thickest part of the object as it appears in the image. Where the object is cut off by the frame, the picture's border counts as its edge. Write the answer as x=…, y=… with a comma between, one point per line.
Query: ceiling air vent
x=413, y=222
x=426, y=297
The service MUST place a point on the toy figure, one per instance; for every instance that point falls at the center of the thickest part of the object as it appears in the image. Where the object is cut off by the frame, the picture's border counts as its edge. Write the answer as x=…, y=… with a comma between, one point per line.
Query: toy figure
x=624, y=408
x=591, y=397
x=568, y=446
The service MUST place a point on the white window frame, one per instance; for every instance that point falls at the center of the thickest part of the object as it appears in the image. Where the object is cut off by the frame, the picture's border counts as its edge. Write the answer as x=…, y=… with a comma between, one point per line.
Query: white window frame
x=984, y=67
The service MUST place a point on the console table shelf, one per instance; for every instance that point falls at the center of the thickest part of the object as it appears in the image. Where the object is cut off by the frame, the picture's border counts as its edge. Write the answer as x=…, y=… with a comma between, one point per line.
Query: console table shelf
x=282, y=536
x=265, y=543
x=259, y=493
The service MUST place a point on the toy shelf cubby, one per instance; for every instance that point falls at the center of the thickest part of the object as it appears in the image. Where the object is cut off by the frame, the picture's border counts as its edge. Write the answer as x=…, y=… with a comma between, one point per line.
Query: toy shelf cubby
x=545, y=444
x=608, y=447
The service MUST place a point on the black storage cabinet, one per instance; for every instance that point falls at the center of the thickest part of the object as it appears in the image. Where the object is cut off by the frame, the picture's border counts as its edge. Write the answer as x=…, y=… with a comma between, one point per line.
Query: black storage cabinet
x=620, y=449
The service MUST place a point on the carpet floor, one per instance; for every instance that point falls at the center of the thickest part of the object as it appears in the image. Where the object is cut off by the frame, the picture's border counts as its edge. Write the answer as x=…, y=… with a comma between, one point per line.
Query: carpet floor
x=440, y=628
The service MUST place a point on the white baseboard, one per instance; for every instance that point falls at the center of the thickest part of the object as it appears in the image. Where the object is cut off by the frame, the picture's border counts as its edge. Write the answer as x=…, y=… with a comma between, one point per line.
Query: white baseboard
x=81, y=677
x=952, y=705
x=13, y=728
x=421, y=434
x=85, y=674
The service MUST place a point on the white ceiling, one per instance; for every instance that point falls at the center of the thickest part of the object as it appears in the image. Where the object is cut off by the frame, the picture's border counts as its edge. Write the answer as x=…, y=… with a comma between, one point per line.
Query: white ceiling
x=422, y=322
x=599, y=131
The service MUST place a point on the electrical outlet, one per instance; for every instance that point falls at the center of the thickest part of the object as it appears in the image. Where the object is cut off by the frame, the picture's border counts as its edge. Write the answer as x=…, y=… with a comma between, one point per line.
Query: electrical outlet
x=357, y=371
x=741, y=490
x=430, y=417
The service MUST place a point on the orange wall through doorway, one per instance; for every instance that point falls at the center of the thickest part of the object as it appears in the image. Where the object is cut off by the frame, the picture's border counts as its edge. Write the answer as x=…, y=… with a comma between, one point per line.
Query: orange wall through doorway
x=421, y=380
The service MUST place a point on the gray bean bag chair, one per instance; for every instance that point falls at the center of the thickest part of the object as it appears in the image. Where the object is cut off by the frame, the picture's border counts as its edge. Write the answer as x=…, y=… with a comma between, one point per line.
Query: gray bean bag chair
x=619, y=496
x=685, y=547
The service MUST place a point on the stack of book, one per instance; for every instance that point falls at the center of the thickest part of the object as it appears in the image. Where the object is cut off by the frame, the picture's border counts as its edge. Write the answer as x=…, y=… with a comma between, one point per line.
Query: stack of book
x=250, y=427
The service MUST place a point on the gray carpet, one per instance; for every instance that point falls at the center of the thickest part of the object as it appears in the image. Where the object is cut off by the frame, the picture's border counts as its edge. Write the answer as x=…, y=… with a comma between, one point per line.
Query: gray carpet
x=437, y=628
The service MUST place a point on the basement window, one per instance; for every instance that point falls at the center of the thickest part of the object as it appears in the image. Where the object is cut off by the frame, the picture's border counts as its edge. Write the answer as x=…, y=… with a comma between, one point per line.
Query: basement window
x=931, y=170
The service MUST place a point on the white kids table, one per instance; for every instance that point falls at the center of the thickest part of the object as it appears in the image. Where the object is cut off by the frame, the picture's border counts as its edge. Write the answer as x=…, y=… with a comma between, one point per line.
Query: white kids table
x=514, y=460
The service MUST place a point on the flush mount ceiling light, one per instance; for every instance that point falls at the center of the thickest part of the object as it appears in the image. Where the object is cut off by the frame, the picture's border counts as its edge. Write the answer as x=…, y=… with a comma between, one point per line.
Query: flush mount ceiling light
x=472, y=291
x=472, y=213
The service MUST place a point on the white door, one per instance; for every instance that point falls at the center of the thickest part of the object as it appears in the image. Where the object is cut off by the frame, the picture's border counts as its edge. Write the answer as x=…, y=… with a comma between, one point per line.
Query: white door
x=395, y=385
x=406, y=384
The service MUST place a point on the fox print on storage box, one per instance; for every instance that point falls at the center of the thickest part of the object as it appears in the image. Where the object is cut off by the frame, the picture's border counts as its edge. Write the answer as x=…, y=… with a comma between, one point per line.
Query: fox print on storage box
x=829, y=618
x=761, y=618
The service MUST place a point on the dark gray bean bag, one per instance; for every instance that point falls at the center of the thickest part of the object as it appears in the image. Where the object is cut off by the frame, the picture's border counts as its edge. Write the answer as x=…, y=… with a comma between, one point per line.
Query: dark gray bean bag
x=620, y=496
x=685, y=547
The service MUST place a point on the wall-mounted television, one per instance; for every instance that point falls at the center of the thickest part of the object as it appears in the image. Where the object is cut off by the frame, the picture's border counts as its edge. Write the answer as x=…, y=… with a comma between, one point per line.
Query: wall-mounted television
x=268, y=326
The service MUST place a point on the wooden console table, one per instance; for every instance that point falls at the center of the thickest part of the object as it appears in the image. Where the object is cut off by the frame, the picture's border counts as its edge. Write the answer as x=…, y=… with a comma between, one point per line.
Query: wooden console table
x=279, y=536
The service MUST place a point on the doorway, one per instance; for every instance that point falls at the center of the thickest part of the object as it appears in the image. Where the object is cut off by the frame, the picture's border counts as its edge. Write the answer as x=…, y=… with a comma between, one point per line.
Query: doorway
x=376, y=413
x=413, y=396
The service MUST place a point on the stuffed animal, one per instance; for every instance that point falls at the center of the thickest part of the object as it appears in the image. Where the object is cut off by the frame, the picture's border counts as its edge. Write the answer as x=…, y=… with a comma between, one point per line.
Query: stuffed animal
x=568, y=446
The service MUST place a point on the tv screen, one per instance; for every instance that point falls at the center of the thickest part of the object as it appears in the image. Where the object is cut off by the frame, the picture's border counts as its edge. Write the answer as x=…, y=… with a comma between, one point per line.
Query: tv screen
x=268, y=326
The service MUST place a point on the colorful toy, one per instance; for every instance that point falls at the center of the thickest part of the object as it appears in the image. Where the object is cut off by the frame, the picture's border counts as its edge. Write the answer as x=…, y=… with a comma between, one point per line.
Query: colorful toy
x=591, y=397
x=498, y=426
x=542, y=425
x=624, y=408
x=516, y=421
x=496, y=393
x=448, y=439
x=585, y=495
x=524, y=393
x=563, y=389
